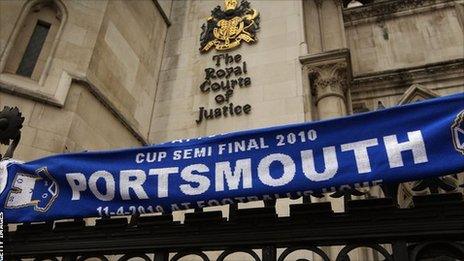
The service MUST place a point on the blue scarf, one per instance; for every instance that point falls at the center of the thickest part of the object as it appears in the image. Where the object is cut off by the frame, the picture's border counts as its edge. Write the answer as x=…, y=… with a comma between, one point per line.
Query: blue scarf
x=404, y=143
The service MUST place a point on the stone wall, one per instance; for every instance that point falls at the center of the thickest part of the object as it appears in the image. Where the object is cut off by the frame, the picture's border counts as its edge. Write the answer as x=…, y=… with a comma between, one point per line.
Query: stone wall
x=83, y=123
x=99, y=89
x=126, y=58
x=166, y=6
x=276, y=93
x=400, y=44
x=424, y=35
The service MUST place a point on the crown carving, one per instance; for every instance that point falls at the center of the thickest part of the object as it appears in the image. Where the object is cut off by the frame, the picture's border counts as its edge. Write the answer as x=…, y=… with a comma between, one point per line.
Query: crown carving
x=230, y=4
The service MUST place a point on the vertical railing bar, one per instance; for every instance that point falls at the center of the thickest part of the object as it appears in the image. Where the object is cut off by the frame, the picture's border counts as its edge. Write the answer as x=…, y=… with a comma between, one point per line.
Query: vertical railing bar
x=400, y=251
x=269, y=253
x=161, y=255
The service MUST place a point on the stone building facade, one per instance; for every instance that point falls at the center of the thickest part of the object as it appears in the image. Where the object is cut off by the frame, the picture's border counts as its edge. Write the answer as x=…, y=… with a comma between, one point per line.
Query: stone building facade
x=111, y=74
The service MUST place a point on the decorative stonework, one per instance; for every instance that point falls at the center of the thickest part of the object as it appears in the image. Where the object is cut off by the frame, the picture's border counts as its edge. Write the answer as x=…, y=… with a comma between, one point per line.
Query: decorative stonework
x=318, y=3
x=416, y=93
x=405, y=77
x=387, y=8
x=329, y=73
x=328, y=79
x=40, y=5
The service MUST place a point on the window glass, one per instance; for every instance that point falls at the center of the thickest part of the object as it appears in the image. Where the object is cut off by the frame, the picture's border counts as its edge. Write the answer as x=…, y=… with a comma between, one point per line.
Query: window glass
x=33, y=49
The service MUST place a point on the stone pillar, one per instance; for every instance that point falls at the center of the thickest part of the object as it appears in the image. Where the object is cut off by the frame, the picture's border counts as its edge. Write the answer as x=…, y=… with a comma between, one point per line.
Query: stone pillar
x=329, y=87
x=323, y=24
x=326, y=73
x=328, y=77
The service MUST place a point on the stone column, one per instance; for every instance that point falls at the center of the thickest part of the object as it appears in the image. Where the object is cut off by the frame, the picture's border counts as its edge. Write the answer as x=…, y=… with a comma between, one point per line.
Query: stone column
x=326, y=71
x=324, y=27
x=329, y=87
x=328, y=77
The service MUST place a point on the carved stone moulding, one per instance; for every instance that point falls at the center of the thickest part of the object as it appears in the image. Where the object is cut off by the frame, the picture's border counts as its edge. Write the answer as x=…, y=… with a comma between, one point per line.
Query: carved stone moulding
x=330, y=73
x=384, y=9
x=399, y=78
x=329, y=79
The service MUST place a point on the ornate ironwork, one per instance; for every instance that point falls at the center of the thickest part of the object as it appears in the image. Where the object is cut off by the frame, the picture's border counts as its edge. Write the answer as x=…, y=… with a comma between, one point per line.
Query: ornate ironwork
x=321, y=254
x=447, y=184
x=180, y=255
x=343, y=255
x=441, y=250
x=434, y=227
x=227, y=253
x=347, y=192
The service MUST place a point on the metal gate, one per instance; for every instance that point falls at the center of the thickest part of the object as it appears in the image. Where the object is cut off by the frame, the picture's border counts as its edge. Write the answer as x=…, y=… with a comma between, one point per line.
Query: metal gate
x=432, y=229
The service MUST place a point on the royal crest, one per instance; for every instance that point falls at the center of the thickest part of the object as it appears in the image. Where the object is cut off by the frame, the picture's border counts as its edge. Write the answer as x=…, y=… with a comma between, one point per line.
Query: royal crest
x=457, y=131
x=226, y=29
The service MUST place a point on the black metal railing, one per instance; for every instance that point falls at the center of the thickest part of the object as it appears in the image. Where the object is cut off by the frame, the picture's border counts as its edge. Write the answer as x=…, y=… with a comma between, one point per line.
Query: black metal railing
x=433, y=228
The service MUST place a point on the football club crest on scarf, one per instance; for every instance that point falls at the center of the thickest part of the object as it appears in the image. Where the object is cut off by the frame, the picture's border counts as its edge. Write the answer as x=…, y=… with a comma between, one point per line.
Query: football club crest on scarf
x=426, y=140
x=38, y=190
x=457, y=130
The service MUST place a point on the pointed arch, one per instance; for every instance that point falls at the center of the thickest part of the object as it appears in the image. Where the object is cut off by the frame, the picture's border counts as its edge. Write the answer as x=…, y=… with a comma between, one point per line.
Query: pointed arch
x=415, y=93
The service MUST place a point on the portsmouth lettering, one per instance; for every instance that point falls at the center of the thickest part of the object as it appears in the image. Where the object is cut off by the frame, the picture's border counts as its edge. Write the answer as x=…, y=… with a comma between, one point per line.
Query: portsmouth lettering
x=405, y=143
x=198, y=178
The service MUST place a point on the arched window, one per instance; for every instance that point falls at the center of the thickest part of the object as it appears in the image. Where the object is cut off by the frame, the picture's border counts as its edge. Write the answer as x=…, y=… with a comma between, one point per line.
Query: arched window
x=35, y=40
